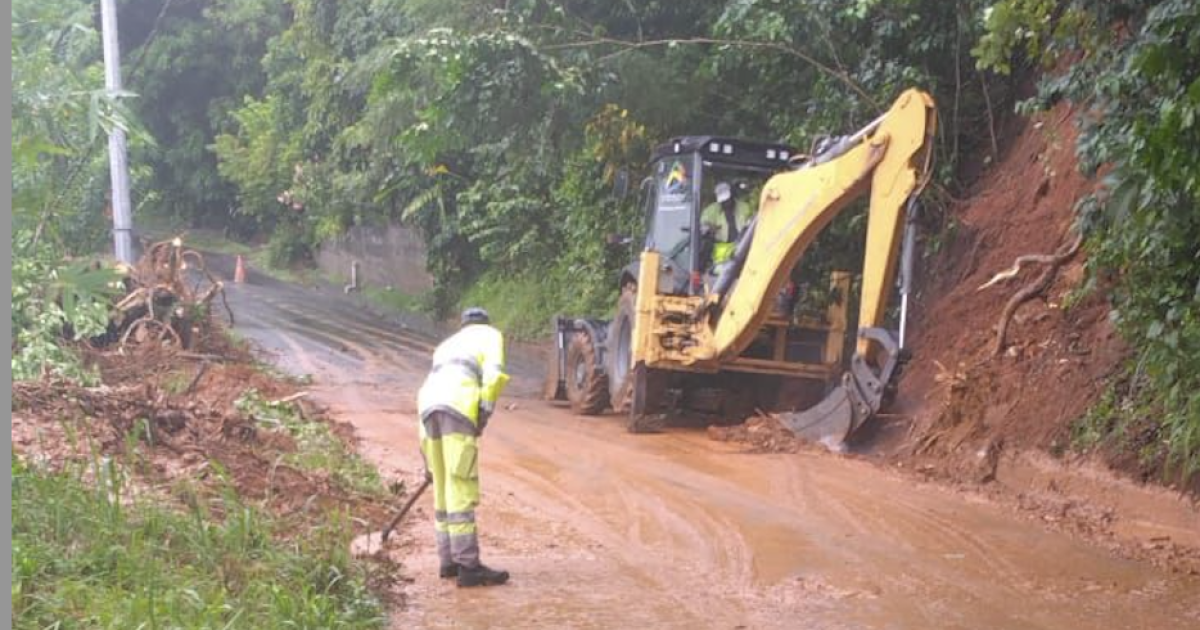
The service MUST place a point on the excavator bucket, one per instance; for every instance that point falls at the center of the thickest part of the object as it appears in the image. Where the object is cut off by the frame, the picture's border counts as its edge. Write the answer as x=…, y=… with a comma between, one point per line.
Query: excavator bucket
x=852, y=402
x=828, y=422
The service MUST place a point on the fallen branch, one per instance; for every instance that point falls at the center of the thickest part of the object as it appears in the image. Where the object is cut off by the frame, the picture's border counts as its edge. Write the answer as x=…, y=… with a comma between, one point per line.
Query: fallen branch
x=288, y=399
x=225, y=303
x=141, y=331
x=1052, y=262
x=196, y=356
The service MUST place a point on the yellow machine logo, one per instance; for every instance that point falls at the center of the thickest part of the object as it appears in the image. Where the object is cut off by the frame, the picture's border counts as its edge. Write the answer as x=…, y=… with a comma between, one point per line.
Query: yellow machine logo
x=677, y=179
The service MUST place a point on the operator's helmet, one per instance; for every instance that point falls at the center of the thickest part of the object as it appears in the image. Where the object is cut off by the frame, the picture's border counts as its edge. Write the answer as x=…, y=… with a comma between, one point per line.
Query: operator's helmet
x=723, y=191
x=475, y=315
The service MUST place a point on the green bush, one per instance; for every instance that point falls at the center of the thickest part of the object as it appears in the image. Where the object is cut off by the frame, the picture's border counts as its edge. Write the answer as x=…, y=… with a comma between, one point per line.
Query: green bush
x=54, y=303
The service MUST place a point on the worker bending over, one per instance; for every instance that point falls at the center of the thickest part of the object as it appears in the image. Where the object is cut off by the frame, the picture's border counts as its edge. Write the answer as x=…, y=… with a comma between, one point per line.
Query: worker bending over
x=455, y=402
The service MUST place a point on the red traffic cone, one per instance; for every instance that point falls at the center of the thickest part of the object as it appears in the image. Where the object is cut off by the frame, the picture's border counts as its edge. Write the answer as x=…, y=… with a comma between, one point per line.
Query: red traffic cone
x=239, y=271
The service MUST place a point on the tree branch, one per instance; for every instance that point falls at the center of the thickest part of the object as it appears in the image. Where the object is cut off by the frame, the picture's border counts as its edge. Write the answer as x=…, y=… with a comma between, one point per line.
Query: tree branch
x=628, y=46
x=987, y=99
x=137, y=63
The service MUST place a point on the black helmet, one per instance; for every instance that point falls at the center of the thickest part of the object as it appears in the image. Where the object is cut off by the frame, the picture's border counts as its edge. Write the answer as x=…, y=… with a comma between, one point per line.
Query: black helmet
x=474, y=315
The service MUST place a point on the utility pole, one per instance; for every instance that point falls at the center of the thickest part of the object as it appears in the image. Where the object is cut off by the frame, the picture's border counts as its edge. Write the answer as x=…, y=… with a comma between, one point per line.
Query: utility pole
x=117, y=162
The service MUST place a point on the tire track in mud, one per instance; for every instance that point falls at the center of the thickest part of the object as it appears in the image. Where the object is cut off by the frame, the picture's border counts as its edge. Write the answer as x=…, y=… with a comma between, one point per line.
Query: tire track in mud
x=890, y=531
x=402, y=345
x=903, y=517
x=386, y=356
x=630, y=542
x=694, y=525
x=917, y=551
x=598, y=589
x=679, y=532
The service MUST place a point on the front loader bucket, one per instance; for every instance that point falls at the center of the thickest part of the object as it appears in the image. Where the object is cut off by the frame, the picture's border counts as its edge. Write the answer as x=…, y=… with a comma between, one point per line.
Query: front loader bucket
x=852, y=402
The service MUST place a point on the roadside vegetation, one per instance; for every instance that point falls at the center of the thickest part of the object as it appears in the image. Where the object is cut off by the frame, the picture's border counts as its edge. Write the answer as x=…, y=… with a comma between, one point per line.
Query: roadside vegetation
x=317, y=447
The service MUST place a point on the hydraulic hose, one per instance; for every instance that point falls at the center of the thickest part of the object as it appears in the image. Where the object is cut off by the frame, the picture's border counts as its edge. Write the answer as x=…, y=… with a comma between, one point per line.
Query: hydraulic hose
x=907, y=251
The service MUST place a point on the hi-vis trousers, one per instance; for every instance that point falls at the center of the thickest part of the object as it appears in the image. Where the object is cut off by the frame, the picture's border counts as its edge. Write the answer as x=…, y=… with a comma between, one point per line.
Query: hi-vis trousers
x=450, y=447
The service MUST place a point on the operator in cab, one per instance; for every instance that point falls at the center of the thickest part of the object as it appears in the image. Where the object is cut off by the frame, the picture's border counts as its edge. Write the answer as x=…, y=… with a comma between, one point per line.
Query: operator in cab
x=723, y=221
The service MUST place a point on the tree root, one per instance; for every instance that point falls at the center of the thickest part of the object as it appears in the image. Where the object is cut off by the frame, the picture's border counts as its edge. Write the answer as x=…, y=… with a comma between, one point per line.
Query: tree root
x=162, y=305
x=1031, y=290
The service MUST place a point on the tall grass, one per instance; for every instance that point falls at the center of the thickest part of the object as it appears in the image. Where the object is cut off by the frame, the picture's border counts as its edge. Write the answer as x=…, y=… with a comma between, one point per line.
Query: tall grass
x=86, y=554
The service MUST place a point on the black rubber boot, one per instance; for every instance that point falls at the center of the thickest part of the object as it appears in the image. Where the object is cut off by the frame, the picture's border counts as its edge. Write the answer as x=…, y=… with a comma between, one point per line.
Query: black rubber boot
x=480, y=576
x=448, y=571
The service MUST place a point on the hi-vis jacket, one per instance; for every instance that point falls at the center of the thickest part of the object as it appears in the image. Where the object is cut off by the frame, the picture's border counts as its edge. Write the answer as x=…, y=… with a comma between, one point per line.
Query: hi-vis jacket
x=467, y=376
x=713, y=216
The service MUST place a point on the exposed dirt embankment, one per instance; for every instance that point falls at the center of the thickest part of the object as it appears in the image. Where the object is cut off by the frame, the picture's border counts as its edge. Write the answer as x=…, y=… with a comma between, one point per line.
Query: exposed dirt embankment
x=967, y=398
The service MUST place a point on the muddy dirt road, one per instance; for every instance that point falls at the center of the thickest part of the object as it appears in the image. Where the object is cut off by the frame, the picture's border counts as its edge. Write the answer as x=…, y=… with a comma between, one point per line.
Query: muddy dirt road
x=601, y=528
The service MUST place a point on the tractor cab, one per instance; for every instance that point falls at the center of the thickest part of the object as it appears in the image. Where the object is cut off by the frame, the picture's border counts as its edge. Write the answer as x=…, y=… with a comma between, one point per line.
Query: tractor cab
x=701, y=194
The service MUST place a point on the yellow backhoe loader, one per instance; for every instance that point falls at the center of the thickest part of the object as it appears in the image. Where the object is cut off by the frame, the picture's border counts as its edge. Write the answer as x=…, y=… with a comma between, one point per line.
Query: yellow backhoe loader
x=704, y=321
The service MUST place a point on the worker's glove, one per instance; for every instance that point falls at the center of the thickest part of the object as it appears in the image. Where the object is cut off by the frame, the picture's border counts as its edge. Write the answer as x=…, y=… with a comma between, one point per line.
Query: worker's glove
x=485, y=412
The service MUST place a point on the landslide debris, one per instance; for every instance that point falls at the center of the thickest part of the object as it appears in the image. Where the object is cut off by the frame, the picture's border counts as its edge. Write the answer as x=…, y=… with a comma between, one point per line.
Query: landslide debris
x=168, y=407
x=763, y=433
x=992, y=370
x=169, y=299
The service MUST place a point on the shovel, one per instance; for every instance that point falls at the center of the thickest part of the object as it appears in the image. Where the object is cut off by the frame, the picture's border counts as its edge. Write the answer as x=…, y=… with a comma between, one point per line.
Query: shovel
x=363, y=544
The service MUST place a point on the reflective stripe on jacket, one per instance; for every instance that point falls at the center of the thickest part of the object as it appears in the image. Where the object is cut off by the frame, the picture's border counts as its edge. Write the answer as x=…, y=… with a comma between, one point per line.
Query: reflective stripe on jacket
x=467, y=376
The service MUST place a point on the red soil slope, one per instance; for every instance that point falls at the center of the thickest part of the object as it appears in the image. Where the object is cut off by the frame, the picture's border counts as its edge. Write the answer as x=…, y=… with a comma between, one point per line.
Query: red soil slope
x=965, y=403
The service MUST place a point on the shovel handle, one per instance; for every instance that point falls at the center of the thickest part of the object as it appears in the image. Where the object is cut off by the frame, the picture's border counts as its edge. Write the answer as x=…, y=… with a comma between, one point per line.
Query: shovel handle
x=404, y=510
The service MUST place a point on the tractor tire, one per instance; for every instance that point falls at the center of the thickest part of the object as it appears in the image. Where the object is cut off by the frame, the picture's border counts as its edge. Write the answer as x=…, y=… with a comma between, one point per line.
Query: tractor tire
x=620, y=350
x=587, y=386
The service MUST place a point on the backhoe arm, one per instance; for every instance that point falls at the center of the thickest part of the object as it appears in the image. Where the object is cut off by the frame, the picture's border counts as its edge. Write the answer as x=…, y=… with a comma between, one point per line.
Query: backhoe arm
x=890, y=158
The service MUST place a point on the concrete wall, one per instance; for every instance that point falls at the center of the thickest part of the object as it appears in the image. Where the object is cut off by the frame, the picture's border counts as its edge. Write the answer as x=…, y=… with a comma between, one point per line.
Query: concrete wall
x=388, y=256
